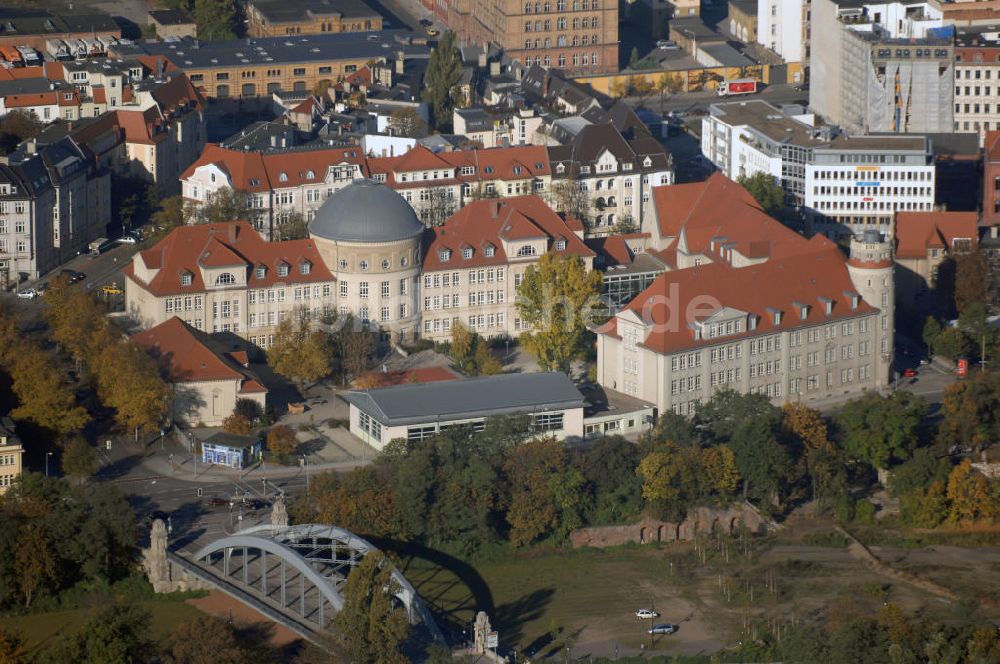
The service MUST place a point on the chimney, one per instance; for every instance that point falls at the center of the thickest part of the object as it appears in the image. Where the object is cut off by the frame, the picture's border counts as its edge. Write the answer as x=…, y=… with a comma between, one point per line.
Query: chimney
x=494, y=209
x=494, y=68
x=234, y=231
x=400, y=64
x=481, y=61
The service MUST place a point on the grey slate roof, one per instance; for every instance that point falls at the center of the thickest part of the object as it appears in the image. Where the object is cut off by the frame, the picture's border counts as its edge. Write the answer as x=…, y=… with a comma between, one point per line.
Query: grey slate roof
x=285, y=11
x=189, y=53
x=365, y=211
x=505, y=394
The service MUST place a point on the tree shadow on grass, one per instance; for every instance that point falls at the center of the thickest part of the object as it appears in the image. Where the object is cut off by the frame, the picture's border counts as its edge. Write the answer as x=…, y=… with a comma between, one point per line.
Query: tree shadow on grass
x=510, y=618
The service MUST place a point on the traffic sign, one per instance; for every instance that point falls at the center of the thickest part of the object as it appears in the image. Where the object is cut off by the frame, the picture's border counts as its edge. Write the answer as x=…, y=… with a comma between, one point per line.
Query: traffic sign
x=493, y=640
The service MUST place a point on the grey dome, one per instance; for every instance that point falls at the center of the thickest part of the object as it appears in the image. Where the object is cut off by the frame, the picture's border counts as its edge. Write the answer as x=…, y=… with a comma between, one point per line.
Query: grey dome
x=365, y=211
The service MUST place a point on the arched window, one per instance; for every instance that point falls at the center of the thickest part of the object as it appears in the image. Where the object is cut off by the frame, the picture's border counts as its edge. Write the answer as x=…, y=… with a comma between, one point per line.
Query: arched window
x=576, y=56
x=310, y=175
x=586, y=23
x=548, y=25
x=225, y=279
x=527, y=43
x=526, y=250
x=283, y=177
x=548, y=7
x=560, y=5
x=561, y=41
x=538, y=26
x=593, y=22
x=562, y=59
x=561, y=24
x=576, y=40
x=576, y=24
x=593, y=56
x=527, y=26
x=548, y=43
x=576, y=5
x=527, y=8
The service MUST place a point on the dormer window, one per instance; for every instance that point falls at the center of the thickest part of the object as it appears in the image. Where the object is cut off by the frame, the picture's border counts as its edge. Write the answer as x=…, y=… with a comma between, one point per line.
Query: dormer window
x=444, y=255
x=305, y=267
x=310, y=175
x=282, y=177
x=517, y=170
x=560, y=168
x=647, y=162
x=775, y=315
x=283, y=269
x=254, y=182
x=225, y=279
x=186, y=279
x=827, y=305
x=854, y=298
x=560, y=244
x=803, y=310
x=490, y=251
x=467, y=253
x=488, y=170
x=752, y=323
x=526, y=250
x=260, y=272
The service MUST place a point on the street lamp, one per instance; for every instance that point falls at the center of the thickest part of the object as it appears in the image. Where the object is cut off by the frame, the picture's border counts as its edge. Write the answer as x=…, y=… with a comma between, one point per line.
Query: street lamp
x=47, y=455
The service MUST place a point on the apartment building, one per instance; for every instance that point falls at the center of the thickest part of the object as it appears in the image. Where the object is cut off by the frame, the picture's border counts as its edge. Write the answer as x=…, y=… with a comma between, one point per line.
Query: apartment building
x=497, y=129
x=300, y=181
x=277, y=184
x=11, y=454
x=991, y=179
x=860, y=182
x=780, y=27
x=580, y=36
x=977, y=89
x=744, y=138
x=171, y=23
x=275, y=18
x=154, y=139
x=474, y=263
x=882, y=67
x=258, y=67
x=617, y=174
x=225, y=278
x=924, y=240
x=34, y=26
x=52, y=204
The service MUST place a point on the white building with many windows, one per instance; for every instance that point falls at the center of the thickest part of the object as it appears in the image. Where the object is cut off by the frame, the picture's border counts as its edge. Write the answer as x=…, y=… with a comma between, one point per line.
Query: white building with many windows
x=859, y=183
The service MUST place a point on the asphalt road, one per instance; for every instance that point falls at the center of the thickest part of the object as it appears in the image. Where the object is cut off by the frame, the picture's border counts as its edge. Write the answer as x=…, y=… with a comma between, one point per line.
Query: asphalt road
x=700, y=101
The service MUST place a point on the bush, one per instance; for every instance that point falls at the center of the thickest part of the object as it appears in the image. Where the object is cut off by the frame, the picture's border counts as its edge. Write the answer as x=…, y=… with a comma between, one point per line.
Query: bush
x=864, y=512
x=281, y=441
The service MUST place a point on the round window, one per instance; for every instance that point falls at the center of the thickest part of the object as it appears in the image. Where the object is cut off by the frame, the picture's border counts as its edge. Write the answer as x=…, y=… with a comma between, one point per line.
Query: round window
x=364, y=265
x=404, y=261
x=385, y=264
x=343, y=263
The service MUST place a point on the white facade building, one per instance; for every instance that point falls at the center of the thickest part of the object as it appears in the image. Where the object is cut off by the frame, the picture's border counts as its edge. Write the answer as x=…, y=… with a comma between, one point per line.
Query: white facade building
x=779, y=27
x=860, y=183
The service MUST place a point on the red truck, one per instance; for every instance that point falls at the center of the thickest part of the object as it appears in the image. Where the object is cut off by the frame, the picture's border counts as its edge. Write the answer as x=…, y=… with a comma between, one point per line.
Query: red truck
x=741, y=86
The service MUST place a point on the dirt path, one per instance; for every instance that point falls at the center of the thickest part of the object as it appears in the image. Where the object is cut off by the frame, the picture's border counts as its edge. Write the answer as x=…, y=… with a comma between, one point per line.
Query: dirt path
x=219, y=604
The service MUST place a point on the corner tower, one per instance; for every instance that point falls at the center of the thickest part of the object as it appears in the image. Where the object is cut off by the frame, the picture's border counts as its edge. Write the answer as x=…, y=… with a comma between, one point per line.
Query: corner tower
x=872, y=273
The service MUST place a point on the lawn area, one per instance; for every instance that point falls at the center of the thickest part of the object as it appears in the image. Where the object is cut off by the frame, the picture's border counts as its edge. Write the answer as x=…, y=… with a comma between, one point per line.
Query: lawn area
x=586, y=596
x=37, y=629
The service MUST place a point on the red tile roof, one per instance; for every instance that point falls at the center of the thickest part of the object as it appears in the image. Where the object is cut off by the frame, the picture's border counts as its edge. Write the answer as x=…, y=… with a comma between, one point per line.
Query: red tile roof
x=187, y=355
x=523, y=162
x=189, y=248
x=614, y=249
x=758, y=289
x=484, y=223
x=718, y=208
x=993, y=145
x=916, y=232
x=258, y=172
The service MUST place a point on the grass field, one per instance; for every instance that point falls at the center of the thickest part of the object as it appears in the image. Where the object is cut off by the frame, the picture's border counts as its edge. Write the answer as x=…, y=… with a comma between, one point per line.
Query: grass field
x=38, y=629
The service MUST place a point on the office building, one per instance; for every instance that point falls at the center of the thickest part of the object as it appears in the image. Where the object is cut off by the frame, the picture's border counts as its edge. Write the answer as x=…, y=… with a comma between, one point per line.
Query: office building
x=277, y=18
x=781, y=27
x=860, y=182
x=977, y=89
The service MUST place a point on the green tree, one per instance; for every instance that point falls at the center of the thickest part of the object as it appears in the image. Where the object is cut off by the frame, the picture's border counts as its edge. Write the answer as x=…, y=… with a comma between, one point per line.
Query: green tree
x=441, y=80
x=299, y=352
x=766, y=191
x=571, y=198
x=355, y=343
x=15, y=127
x=533, y=512
x=117, y=634
x=969, y=496
x=463, y=341
x=668, y=84
x=556, y=299
x=881, y=430
x=932, y=334
x=293, y=228
x=237, y=424
x=971, y=280
x=129, y=381
x=982, y=336
x=407, y=122
x=249, y=409
x=216, y=19
x=205, y=639
x=919, y=472
x=44, y=396
x=171, y=213
x=12, y=649
x=79, y=460
x=224, y=205
x=373, y=629
x=281, y=440
x=609, y=468
x=486, y=364
x=971, y=411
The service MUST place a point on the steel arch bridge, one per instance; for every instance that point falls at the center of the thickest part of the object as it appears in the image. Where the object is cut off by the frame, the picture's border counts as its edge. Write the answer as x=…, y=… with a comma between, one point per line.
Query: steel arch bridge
x=301, y=570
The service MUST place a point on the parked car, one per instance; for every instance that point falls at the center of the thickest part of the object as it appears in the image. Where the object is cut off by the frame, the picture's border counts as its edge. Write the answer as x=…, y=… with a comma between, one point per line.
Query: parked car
x=426, y=22
x=909, y=373
x=646, y=614
x=667, y=45
x=664, y=628
x=256, y=503
x=28, y=294
x=924, y=361
x=111, y=289
x=127, y=239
